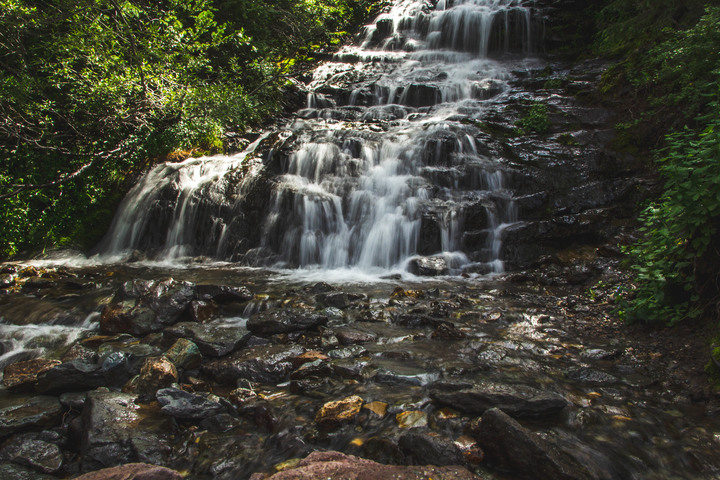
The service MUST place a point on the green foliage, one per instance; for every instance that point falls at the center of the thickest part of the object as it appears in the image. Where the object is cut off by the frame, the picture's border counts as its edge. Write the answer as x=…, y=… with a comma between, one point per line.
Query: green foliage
x=93, y=91
x=535, y=119
x=678, y=228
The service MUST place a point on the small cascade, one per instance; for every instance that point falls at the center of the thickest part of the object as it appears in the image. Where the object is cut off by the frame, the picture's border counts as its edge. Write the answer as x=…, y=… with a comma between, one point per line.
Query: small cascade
x=382, y=165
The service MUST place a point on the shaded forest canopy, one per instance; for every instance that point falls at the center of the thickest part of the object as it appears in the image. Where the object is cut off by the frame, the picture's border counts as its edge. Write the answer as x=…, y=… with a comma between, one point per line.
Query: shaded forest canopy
x=92, y=92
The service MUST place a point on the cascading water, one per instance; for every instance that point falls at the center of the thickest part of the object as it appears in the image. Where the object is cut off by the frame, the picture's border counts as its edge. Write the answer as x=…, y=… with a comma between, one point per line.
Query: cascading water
x=383, y=164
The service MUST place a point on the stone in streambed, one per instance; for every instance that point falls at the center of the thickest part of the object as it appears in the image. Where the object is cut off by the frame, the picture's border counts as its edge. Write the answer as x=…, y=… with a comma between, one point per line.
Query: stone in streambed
x=156, y=373
x=116, y=430
x=23, y=375
x=267, y=364
x=353, y=336
x=11, y=471
x=212, y=340
x=515, y=400
x=25, y=413
x=77, y=375
x=223, y=294
x=184, y=354
x=422, y=447
x=133, y=471
x=339, y=466
x=412, y=419
x=275, y=321
x=31, y=450
x=588, y=376
x=180, y=404
x=335, y=413
x=428, y=266
x=202, y=311
x=511, y=447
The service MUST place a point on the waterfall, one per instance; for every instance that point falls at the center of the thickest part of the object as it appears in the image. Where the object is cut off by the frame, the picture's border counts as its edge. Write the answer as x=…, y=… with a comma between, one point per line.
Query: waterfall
x=382, y=164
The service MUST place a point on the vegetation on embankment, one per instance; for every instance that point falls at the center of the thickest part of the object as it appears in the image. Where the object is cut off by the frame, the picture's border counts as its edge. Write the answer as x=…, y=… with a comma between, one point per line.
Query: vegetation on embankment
x=668, y=77
x=93, y=91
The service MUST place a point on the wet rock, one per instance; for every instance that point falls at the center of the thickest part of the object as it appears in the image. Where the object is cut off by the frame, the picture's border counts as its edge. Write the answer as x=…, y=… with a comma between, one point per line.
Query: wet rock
x=77, y=375
x=31, y=451
x=180, y=404
x=23, y=375
x=80, y=352
x=23, y=413
x=515, y=400
x=11, y=471
x=307, y=357
x=589, y=376
x=339, y=466
x=202, y=311
x=332, y=299
x=223, y=294
x=275, y=321
x=214, y=340
x=511, y=447
x=411, y=419
x=142, y=306
x=406, y=376
x=184, y=354
x=156, y=373
x=378, y=408
x=133, y=471
x=421, y=447
x=226, y=456
x=268, y=364
x=347, y=352
x=73, y=400
x=428, y=266
x=448, y=331
x=318, y=369
x=335, y=413
x=351, y=336
x=6, y=281
x=117, y=431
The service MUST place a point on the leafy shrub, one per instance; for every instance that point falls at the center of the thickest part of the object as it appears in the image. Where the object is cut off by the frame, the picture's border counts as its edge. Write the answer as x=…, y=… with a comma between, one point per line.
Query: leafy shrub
x=536, y=119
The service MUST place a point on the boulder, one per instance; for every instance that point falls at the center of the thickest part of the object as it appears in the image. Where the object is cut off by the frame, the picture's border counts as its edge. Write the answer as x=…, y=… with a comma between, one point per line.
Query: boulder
x=275, y=321
x=352, y=336
x=77, y=375
x=268, y=364
x=420, y=447
x=428, y=266
x=213, y=340
x=341, y=411
x=156, y=373
x=184, y=354
x=515, y=400
x=511, y=447
x=180, y=404
x=133, y=471
x=33, y=451
x=24, y=413
x=116, y=430
x=223, y=294
x=23, y=375
x=339, y=466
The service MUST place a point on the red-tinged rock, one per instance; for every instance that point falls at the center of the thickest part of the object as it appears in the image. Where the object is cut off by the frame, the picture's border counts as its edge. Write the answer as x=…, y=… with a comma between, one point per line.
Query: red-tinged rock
x=133, y=471
x=339, y=466
x=23, y=375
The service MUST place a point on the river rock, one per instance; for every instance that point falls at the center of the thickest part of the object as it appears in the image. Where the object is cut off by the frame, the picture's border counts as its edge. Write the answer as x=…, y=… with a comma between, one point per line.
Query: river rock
x=133, y=471
x=146, y=306
x=12, y=471
x=589, y=376
x=156, y=373
x=80, y=352
x=421, y=447
x=223, y=294
x=515, y=400
x=339, y=466
x=352, y=336
x=268, y=364
x=202, y=311
x=275, y=321
x=34, y=452
x=213, y=340
x=412, y=419
x=511, y=447
x=23, y=375
x=180, y=404
x=24, y=413
x=116, y=430
x=428, y=266
x=335, y=413
x=77, y=375
x=307, y=357
x=184, y=354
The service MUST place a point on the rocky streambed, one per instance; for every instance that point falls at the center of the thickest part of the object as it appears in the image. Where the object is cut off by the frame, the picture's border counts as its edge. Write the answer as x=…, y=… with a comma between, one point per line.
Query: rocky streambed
x=222, y=372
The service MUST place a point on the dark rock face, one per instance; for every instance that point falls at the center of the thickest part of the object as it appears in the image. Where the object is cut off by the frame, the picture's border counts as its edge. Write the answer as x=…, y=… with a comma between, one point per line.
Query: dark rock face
x=511, y=447
x=339, y=466
x=77, y=375
x=265, y=364
x=23, y=375
x=422, y=448
x=515, y=400
x=428, y=266
x=24, y=413
x=116, y=430
x=211, y=339
x=181, y=404
x=223, y=294
x=283, y=321
x=33, y=451
x=142, y=307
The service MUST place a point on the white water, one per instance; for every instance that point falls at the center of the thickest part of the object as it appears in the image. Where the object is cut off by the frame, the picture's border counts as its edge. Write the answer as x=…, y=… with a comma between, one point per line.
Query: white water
x=355, y=195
